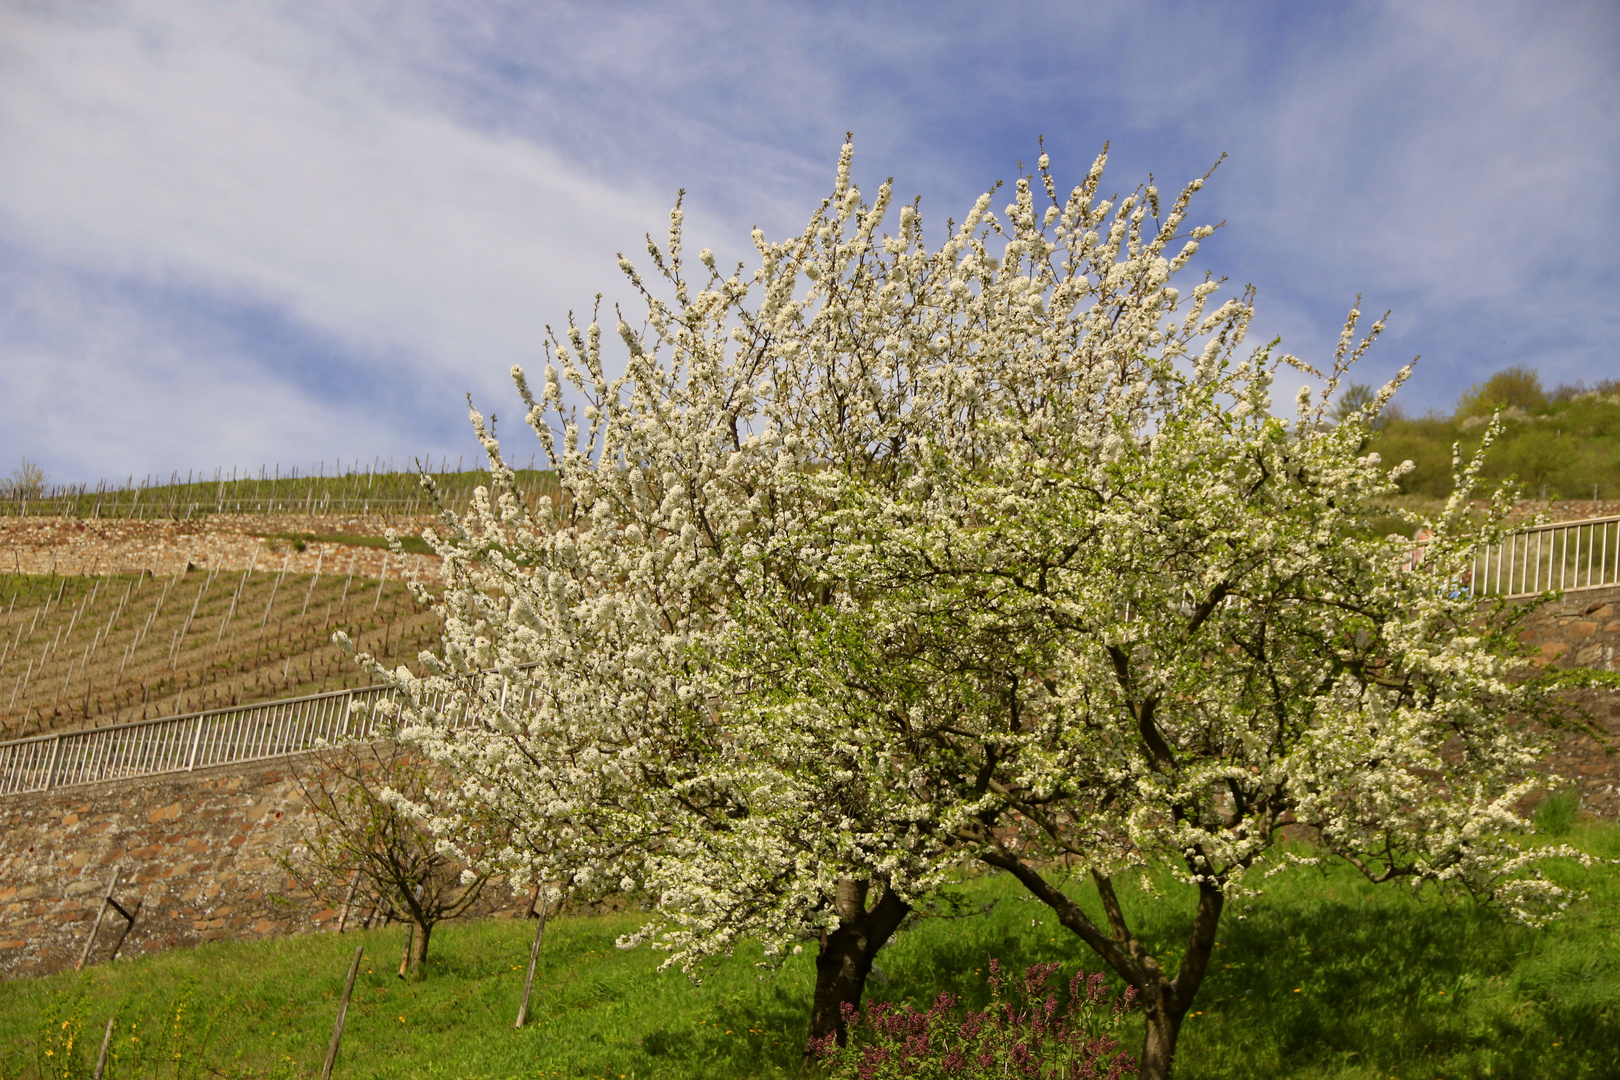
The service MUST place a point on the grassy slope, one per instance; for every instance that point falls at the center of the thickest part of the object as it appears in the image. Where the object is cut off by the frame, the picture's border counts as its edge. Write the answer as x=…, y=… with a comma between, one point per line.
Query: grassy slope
x=1324, y=976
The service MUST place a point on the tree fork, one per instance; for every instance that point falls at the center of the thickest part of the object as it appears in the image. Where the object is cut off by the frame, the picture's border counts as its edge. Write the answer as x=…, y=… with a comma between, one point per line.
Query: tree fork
x=1165, y=1000
x=1165, y=1011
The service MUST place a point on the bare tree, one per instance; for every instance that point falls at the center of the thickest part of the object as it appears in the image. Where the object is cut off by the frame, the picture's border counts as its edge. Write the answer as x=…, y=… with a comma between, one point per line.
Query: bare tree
x=364, y=846
x=27, y=482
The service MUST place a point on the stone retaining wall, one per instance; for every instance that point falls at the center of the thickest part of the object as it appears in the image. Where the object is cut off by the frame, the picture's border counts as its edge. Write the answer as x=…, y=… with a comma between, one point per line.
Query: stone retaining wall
x=1593, y=765
x=1580, y=630
x=1563, y=509
x=74, y=546
x=1583, y=630
x=197, y=848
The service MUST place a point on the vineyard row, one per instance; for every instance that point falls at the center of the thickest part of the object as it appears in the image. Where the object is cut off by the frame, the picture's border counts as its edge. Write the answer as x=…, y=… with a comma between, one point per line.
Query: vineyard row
x=90, y=651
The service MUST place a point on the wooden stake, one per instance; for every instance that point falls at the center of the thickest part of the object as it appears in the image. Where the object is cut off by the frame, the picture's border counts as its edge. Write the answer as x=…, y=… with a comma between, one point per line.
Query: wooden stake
x=344, y=599
x=343, y=1011
x=405, y=957
x=129, y=924
x=276, y=585
x=319, y=557
x=84, y=954
x=534, y=958
x=101, y=1059
x=343, y=918
x=381, y=585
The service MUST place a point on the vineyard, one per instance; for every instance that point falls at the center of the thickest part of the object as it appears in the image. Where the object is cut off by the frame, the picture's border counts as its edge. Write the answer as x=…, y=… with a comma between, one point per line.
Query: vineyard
x=358, y=488
x=211, y=589
x=146, y=599
x=83, y=651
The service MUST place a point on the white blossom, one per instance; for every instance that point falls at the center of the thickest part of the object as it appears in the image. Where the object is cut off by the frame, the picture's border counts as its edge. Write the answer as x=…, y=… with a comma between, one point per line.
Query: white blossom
x=880, y=558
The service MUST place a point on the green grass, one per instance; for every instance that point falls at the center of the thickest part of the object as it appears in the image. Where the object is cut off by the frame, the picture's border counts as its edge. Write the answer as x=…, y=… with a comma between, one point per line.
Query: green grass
x=1322, y=976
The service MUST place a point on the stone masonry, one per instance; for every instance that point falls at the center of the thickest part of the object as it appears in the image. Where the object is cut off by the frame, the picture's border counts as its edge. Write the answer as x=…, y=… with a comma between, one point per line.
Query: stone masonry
x=197, y=848
x=1580, y=630
x=72, y=546
x=231, y=542
x=1583, y=630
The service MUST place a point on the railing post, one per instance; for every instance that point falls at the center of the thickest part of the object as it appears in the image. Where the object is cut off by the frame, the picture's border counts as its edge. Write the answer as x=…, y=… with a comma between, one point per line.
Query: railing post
x=50, y=772
x=1563, y=557
x=196, y=737
x=1578, y=557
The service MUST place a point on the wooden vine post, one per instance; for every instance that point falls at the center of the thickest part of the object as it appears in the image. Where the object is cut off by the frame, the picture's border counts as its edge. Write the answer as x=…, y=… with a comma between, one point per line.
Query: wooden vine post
x=534, y=952
x=405, y=955
x=101, y=912
x=348, y=901
x=101, y=1058
x=343, y=1011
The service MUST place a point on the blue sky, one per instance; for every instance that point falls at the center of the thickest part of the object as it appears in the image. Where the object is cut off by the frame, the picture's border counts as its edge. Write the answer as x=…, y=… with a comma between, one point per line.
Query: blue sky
x=245, y=233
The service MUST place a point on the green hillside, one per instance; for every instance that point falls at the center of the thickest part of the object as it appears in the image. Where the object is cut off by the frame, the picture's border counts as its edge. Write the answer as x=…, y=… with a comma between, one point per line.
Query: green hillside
x=357, y=488
x=1559, y=445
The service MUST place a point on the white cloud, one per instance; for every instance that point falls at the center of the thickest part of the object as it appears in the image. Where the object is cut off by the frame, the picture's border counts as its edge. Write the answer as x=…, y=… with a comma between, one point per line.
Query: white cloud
x=410, y=189
x=226, y=156
x=1449, y=149
x=100, y=384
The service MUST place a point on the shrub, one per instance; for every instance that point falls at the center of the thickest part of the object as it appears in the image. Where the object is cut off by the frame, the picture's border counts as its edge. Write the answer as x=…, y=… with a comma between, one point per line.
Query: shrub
x=1020, y=1034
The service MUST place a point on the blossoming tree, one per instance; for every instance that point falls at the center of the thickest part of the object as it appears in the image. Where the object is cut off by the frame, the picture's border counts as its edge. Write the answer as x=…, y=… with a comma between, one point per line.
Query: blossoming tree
x=1165, y=655
x=887, y=557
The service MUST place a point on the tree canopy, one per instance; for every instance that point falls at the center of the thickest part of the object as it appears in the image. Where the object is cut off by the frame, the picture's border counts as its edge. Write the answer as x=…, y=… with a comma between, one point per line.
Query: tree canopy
x=886, y=559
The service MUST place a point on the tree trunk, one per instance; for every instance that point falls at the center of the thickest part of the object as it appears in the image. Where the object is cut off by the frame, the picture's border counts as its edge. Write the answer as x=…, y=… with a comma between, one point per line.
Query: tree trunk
x=419, y=946
x=1159, y=1045
x=846, y=957
x=1165, y=1001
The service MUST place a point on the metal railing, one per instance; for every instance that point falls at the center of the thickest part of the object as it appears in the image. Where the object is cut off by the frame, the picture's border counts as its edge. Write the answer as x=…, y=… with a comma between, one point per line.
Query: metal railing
x=1565, y=556
x=176, y=744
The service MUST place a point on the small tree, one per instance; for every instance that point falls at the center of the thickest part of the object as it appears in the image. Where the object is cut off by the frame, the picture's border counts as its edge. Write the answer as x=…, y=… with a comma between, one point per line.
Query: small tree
x=1354, y=399
x=369, y=843
x=1360, y=401
x=1512, y=387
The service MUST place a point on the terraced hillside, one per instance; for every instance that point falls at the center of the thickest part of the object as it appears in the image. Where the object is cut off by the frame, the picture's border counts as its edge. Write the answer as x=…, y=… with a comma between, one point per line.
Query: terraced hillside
x=125, y=601
x=326, y=489
x=83, y=651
